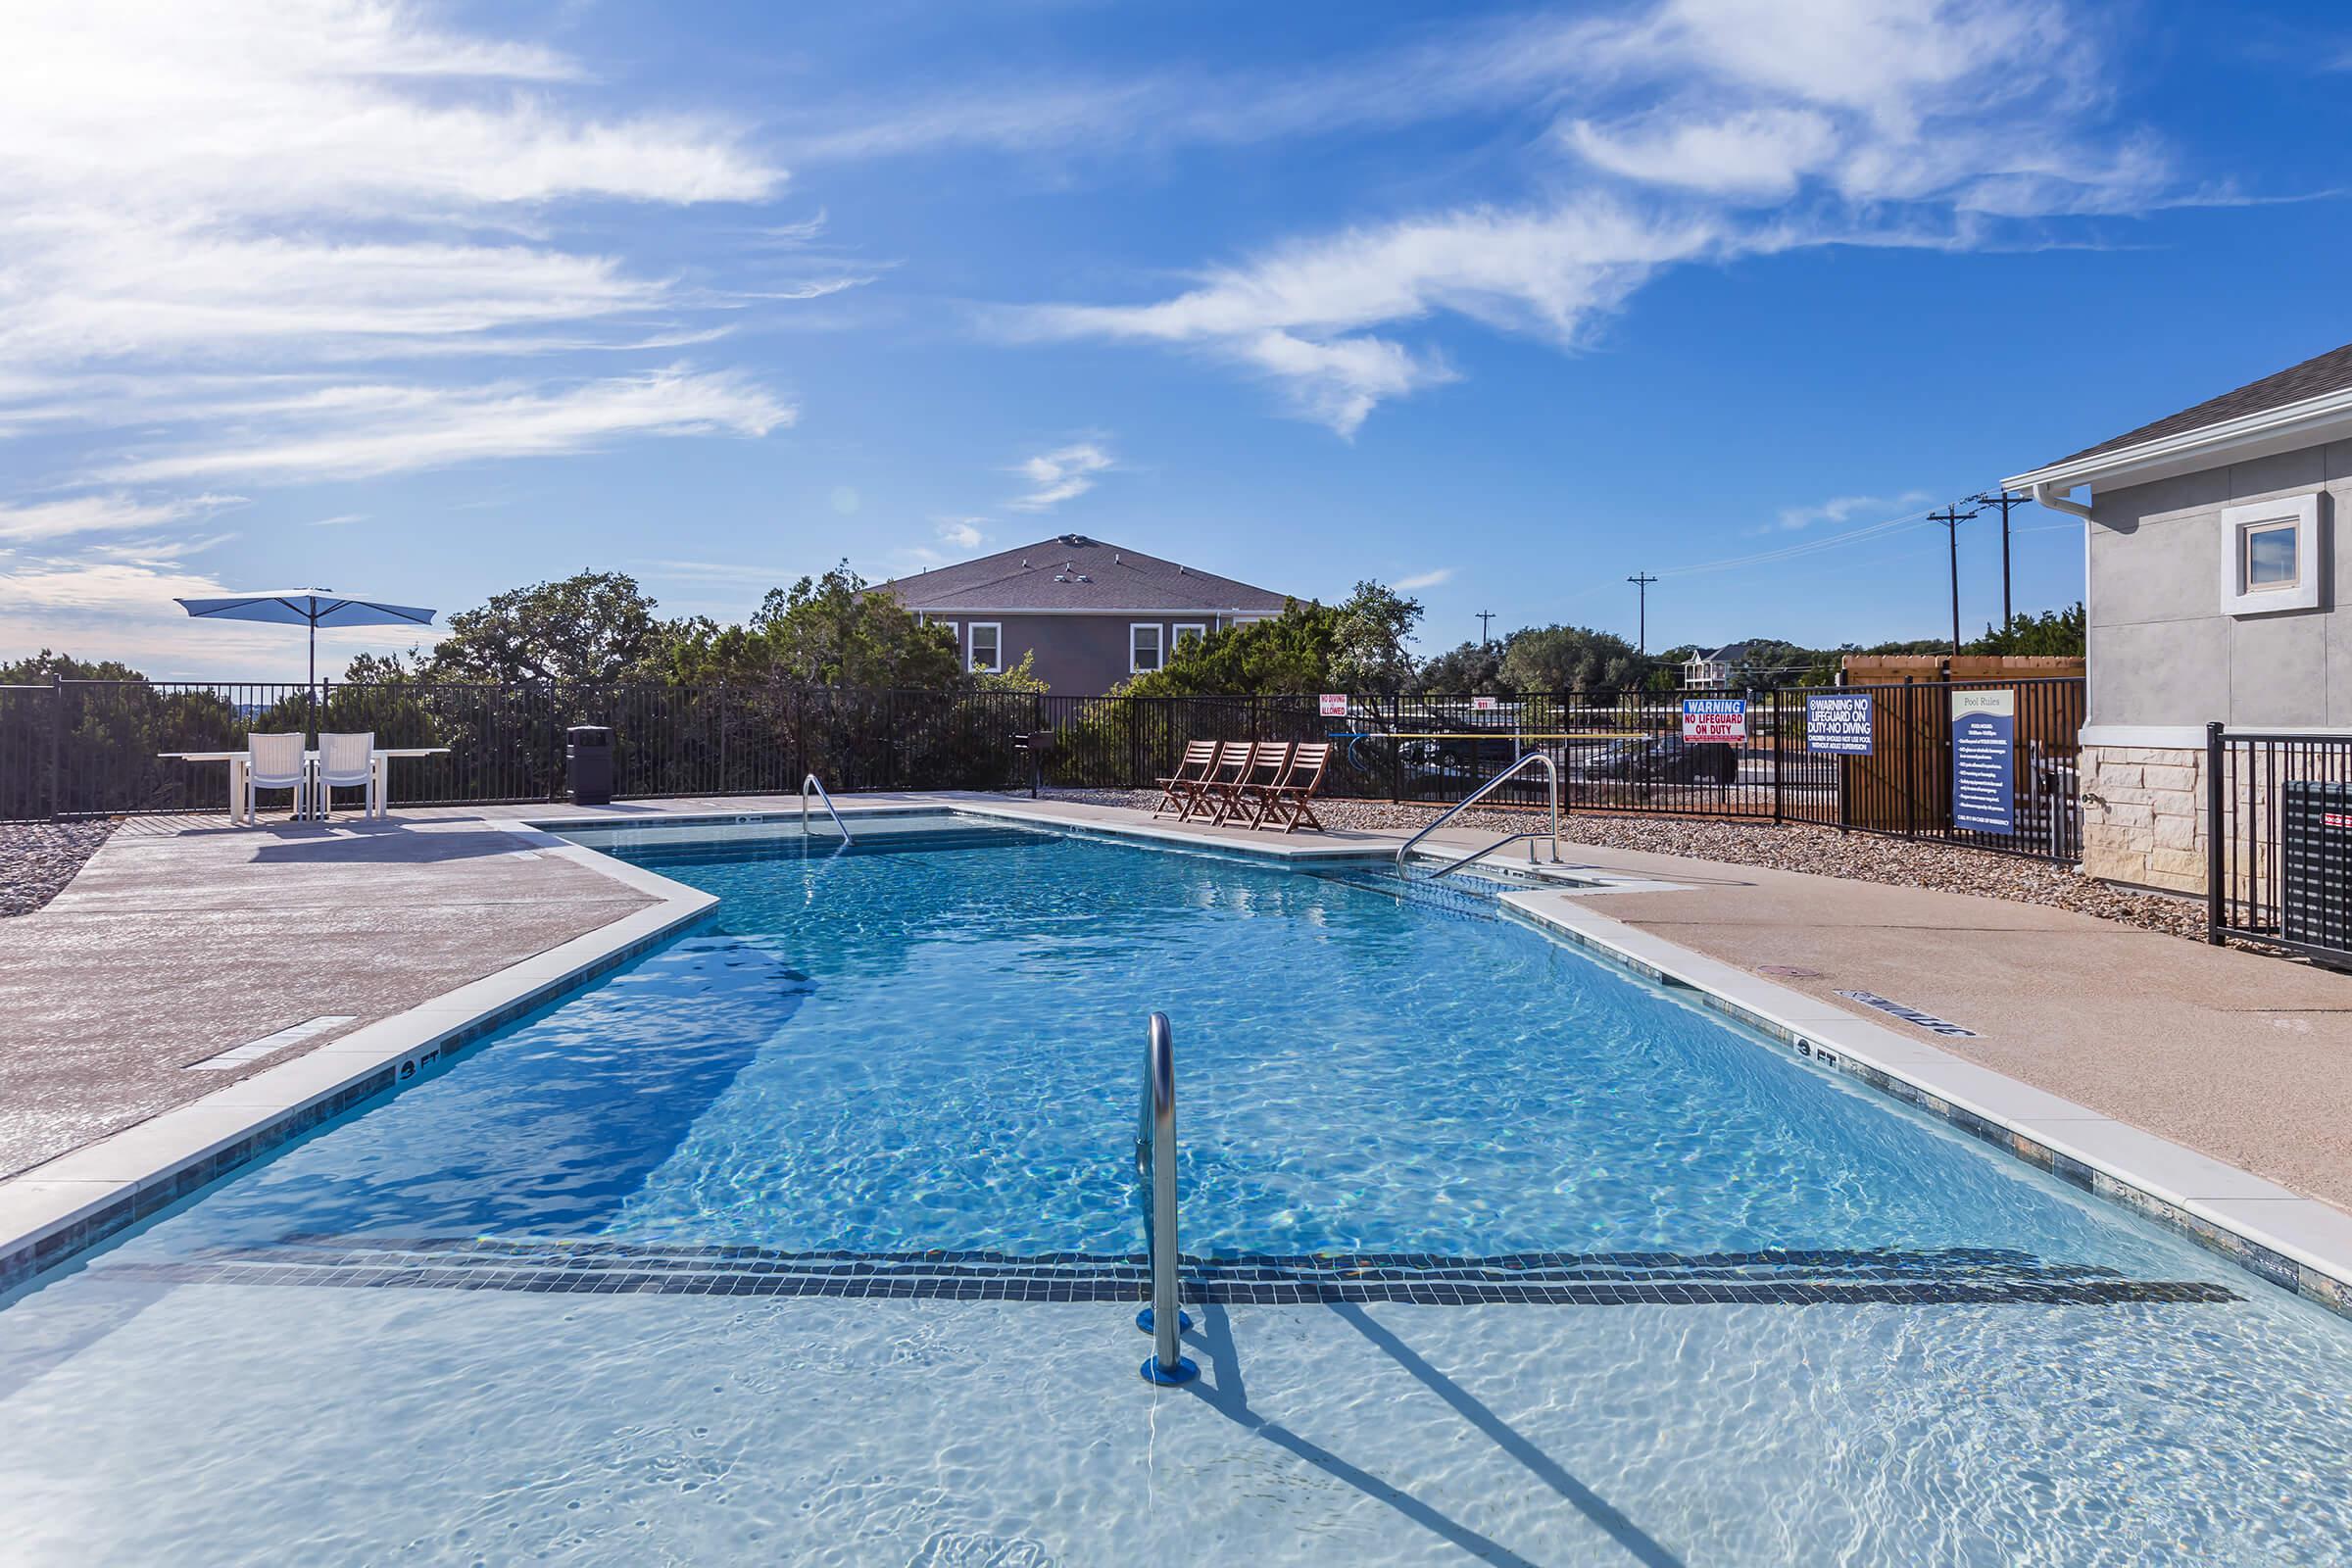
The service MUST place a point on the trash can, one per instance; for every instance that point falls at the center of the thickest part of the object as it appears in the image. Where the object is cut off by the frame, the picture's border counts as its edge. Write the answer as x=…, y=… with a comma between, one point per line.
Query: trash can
x=588, y=764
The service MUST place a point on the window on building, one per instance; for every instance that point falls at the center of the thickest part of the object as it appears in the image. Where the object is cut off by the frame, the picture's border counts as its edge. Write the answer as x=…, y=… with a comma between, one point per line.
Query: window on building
x=1189, y=630
x=1143, y=647
x=2270, y=555
x=987, y=645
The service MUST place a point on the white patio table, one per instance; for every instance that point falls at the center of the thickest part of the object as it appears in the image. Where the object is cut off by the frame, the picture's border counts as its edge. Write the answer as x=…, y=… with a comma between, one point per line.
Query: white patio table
x=377, y=759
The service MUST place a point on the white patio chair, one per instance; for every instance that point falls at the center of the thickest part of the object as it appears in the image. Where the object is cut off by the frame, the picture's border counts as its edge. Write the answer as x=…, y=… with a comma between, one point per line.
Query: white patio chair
x=275, y=763
x=348, y=761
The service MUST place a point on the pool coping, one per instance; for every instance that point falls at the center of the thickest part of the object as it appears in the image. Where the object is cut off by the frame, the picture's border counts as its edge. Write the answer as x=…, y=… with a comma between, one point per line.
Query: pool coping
x=67, y=1204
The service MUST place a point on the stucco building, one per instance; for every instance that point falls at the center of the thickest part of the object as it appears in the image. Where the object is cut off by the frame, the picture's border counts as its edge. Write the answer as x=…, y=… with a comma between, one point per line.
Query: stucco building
x=2211, y=592
x=1091, y=614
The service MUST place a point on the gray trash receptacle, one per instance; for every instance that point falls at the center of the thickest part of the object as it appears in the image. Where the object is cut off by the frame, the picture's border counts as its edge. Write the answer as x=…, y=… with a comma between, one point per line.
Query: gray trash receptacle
x=588, y=764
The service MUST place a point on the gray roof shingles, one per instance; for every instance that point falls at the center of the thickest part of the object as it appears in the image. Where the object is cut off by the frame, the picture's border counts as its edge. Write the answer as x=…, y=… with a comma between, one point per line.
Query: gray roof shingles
x=2331, y=371
x=1074, y=572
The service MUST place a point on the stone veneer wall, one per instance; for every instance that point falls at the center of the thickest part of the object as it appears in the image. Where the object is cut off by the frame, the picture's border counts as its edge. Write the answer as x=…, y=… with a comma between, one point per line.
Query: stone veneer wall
x=2143, y=815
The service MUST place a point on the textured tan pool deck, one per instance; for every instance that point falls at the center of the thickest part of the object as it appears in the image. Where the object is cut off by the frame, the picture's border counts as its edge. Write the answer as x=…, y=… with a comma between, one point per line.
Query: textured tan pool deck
x=183, y=938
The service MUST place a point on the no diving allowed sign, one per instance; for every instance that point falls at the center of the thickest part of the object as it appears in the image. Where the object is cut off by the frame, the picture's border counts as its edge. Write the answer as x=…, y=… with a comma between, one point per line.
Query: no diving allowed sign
x=1926, y=1020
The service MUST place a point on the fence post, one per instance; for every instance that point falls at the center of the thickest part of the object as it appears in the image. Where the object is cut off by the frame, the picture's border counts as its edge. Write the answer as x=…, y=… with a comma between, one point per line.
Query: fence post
x=1778, y=741
x=2214, y=858
x=57, y=744
x=1134, y=745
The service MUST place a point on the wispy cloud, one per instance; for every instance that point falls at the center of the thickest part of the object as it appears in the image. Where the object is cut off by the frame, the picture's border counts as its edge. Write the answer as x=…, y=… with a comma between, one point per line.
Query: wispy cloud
x=961, y=533
x=1425, y=580
x=1690, y=132
x=339, y=520
x=209, y=214
x=1062, y=474
x=363, y=432
x=109, y=512
x=1841, y=510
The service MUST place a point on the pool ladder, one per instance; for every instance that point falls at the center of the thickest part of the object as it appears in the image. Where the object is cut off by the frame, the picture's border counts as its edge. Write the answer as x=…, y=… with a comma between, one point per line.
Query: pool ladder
x=1156, y=1172
x=1551, y=774
x=812, y=782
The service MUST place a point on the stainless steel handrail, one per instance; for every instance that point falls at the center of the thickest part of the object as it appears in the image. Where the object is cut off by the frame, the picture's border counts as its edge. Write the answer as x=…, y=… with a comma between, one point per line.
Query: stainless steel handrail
x=1551, y=773
x=812, y=782
x=1156, y=1166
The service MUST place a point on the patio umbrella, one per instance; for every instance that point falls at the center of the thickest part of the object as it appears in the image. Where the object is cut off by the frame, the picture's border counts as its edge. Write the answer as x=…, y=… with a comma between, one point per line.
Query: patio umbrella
x=307, y=606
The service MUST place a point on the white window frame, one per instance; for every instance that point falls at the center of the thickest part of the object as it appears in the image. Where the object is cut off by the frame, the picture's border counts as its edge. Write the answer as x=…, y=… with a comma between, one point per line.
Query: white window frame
x=971, y=643
x=1198, y=628
x=1159, y=647
x=2240, y=522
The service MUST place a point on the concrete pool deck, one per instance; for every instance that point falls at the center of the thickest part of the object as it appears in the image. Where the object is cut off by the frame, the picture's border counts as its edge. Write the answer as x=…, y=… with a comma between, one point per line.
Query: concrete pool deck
x=183, y=938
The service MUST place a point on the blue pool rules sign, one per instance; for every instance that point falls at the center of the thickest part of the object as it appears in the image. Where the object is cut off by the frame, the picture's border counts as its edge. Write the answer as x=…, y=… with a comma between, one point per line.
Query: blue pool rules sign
x=1838, y=722
x=1984, y=761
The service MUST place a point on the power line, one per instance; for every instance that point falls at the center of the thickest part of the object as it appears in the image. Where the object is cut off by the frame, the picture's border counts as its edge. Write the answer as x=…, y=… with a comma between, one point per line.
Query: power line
x=1909, y=519
x=1642, y=582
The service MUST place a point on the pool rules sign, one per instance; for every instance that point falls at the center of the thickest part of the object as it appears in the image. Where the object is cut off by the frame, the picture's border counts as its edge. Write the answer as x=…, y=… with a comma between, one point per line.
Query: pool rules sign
x=1984, y=761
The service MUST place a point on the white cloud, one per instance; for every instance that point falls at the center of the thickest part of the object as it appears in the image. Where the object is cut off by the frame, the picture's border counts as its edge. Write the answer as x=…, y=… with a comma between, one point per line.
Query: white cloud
x=1060, y=476
x=1424, y=579
x=112, y=512
x=1844, y=509
x=362, y=432
x=1689, y=132
x=341, y=519
x=963, y=533
x=209, y=214
x=122, y=610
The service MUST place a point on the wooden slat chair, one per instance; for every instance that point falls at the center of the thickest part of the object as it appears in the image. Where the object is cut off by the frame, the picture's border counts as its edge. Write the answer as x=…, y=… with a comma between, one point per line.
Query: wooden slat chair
x=1181, y=791
x=1288, y=803
x=1222, y=788
x=1269, y=763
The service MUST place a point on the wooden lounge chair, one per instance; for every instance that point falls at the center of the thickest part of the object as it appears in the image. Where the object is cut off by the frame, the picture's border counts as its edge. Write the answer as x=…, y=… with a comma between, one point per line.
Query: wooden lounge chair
x=1288, y=802
x=1181, y=791
x=1269, y=763
x=1219, y=791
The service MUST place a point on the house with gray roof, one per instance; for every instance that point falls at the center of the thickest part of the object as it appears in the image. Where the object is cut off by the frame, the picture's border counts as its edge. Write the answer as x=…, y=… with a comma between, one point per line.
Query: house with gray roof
x=1090, y=614
x=2212, y=590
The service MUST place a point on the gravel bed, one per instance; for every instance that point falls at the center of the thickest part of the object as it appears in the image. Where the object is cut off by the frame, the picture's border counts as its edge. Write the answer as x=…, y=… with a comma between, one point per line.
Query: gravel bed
x=39, y=858
x=1791, y=847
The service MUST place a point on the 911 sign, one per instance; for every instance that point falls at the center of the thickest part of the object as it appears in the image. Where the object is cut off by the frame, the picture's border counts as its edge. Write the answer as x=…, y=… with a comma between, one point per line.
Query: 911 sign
x=1715, y=719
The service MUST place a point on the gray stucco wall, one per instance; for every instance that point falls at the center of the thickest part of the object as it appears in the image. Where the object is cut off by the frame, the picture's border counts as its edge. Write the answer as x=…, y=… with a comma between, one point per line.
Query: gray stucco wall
x=2162, y=652
x=1077, y=656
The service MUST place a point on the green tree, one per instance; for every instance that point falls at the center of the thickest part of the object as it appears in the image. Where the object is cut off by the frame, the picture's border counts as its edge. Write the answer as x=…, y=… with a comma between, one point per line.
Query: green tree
x=589, y=629
x=1368, y=648
x=1569, y=659
x=36, y=670
x=1021, y=677
x=1283, y=655
x=1472, y=669
x=2057, y=633
x=826, y=631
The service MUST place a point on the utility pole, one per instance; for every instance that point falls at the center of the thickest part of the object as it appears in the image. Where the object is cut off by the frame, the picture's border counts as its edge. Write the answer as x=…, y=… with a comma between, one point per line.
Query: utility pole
x=1484, y=616
x=1642, y=582
x=1952, y=518
x=2004, y=501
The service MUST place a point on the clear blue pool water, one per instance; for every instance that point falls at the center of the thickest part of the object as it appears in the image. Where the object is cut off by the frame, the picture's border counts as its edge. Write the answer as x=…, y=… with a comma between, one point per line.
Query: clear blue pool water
x=933, y=1042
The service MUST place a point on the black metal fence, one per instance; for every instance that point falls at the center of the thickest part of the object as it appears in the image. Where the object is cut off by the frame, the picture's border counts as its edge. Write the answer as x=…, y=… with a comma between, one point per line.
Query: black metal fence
x=81, y=748
x=2279, y=840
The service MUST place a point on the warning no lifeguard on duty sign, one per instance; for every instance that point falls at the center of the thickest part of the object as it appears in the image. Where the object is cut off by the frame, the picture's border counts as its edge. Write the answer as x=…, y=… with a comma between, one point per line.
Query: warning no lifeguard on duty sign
x=1714, y=718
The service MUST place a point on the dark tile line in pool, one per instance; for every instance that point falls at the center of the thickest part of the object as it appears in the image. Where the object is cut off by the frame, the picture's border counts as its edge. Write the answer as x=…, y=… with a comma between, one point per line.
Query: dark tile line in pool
x=1202, y=1283
x=2274, y=1266
x=47, y=1251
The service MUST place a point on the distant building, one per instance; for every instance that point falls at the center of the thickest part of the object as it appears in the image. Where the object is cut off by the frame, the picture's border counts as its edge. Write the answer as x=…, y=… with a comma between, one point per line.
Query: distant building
x=1712, y=673
x=1091, y=614
x=2211, y=593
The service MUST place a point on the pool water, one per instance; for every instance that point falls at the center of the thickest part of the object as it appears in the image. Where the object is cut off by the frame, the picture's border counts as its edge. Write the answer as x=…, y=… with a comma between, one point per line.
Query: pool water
x=803, y=1239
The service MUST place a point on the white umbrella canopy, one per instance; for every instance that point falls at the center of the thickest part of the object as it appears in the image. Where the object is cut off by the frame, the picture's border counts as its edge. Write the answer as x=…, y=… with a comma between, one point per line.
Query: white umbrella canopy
x=307, y=606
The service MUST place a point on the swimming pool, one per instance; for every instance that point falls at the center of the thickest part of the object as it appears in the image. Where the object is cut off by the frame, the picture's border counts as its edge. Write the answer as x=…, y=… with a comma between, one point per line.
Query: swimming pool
x=804, y=1238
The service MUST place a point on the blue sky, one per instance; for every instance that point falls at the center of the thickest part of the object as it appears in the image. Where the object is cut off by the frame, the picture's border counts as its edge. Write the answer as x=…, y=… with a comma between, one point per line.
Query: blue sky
x=426, y=301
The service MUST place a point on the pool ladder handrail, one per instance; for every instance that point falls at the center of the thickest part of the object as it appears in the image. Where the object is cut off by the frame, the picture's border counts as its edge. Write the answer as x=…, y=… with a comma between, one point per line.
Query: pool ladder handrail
x=812, y=782
x=1155, y=1168
x=1551, y=773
